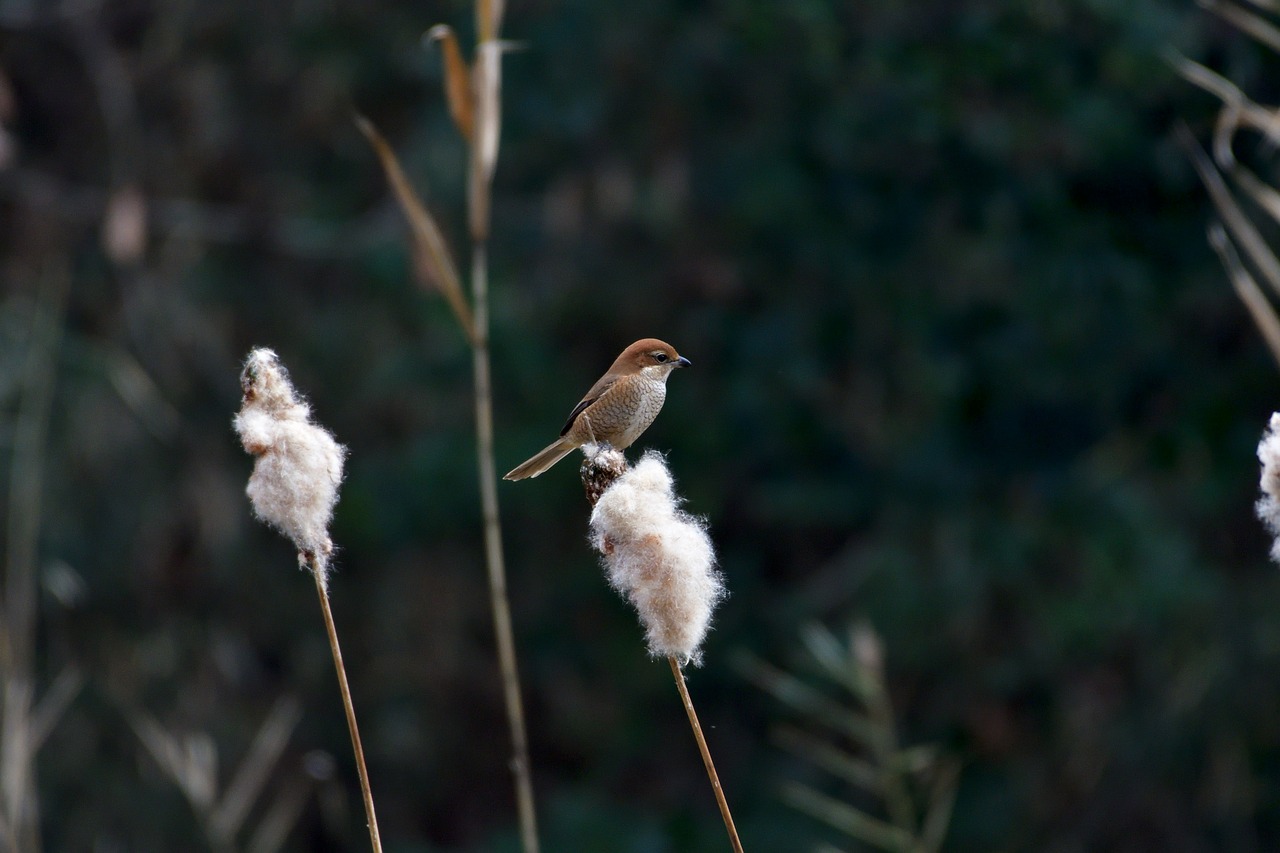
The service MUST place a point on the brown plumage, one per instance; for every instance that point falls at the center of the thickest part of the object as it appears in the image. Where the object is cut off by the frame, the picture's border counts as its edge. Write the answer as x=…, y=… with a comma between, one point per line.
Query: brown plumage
x=617, y=409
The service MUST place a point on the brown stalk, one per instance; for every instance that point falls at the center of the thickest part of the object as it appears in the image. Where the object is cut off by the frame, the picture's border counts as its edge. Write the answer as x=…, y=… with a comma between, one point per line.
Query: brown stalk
x=494, y=559
x=476, y=107
x=485, y=90
x=357, y=746
x=706, y=755
x=489, y=18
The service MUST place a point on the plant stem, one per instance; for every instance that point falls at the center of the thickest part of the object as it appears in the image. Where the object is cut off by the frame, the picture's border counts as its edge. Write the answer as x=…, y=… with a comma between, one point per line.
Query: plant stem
x=493, y=551
x=316, y=570
x=706, y=755
x=18, y=638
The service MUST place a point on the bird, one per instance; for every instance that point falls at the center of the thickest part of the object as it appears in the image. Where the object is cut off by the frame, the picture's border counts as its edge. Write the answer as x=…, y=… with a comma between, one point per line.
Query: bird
x=617, y=409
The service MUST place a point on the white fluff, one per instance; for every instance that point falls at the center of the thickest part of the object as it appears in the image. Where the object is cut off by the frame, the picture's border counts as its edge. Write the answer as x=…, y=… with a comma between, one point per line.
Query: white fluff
x=659, y=558
x=1268, y=506
x=295, y=479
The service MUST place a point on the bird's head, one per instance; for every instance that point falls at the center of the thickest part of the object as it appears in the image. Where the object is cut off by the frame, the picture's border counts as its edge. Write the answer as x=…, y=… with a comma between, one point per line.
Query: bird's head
x=650, y=357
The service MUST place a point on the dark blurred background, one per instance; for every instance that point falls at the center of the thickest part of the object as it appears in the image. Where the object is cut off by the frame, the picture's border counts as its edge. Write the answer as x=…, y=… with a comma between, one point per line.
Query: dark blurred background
x=963, y=366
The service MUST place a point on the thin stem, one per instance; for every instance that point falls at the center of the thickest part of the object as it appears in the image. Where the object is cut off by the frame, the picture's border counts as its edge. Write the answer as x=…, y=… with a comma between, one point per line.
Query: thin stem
x=487, y=83
x=18, y=637
x=317, y=571
x=498, y=599
x=706, y=755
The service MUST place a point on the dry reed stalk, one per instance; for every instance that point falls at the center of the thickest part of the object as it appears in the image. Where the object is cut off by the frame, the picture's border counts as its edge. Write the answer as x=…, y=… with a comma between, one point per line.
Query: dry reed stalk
x=706, y=754
x=356, y=745
x=474, y=98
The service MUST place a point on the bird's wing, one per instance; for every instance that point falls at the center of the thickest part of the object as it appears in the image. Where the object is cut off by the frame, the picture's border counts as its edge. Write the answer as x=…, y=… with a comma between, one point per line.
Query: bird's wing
x=596, y=392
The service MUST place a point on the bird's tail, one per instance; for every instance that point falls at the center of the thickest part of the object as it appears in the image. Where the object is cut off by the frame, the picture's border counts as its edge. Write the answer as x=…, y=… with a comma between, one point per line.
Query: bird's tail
x=543, y=460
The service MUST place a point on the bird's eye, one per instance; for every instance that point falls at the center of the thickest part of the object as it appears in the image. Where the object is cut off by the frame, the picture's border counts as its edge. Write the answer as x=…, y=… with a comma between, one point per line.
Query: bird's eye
x=660, y=357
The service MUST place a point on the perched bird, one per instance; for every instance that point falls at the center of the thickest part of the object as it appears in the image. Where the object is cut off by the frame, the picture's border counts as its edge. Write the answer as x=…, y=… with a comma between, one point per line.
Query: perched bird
x=617, y=409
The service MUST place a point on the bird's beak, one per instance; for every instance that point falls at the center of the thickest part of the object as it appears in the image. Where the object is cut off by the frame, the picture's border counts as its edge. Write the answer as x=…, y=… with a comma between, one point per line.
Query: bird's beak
x=683, y=362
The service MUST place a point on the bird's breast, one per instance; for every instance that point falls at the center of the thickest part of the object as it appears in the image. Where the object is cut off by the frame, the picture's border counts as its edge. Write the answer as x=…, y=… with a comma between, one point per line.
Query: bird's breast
x=624, y=411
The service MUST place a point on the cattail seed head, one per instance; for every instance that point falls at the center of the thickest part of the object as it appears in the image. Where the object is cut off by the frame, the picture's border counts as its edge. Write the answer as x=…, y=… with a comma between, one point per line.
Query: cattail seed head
x=659, y=558
x=601, y=466
x=1268, y=506
x=298, y=466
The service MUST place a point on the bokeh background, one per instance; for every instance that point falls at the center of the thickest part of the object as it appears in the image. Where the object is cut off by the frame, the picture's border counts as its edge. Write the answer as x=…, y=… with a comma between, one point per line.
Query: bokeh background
x=964, y=367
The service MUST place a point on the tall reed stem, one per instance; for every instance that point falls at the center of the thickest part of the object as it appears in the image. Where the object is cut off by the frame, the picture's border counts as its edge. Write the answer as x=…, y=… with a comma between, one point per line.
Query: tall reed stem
x=498, y=599
x=706, y=755
x=356, y=745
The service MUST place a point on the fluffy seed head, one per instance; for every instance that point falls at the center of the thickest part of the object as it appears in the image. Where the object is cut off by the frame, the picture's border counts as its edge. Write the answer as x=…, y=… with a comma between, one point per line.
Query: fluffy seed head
x=659, y=558
x=298, y=469
x=1268, y=506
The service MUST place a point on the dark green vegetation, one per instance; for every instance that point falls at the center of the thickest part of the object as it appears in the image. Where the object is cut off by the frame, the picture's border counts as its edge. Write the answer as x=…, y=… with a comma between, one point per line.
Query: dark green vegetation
x=963, y=366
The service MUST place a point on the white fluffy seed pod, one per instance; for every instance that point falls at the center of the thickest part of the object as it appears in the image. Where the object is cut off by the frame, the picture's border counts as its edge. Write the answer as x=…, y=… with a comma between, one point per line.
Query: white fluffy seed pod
x=1268, y=506
x=659, y=558
x=295, y=479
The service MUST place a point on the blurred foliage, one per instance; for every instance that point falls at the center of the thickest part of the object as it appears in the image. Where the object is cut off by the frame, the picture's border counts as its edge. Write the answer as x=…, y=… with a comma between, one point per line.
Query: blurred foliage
x=963, y=364
x=852, y=737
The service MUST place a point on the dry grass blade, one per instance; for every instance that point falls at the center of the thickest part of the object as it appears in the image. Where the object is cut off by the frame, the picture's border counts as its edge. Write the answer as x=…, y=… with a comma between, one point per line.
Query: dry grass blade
x=1235, y=115
x=1262, y=312
x=430, y=250
x=790, y=690
x=16, y=779
x=846, y=818
x=201, y=770
x=942, y=800
x=1237, y=109
x=286, y=808
x=1204, y=78
x=1246, y=21
x=457, y=80
x=250, y=778
x=140, y=393
x=190, y=762
x=834, y=760
x=163, y=748
x=50, y=709
x=915, y=759
x=19, y=603
x=826, y=649
x=1263, y=194
x=837, y=661
x=1236, y=221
